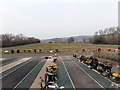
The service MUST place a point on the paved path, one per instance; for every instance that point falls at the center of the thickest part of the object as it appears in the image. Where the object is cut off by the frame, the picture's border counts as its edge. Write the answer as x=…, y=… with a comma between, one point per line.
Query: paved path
x=8, y=66
x=15, y=77
x=97, y=77
x=25, y=73
x=79, y=77
x=64, y=78
x=36, y=83
x=2, y=59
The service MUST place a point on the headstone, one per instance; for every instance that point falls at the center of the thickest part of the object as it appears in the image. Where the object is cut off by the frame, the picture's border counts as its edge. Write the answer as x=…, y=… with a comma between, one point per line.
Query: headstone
x=12, y=51
x=56, y=50
x=18, y=51
x=24, y=51
x=99, y=50
x=29, y=51
x=35, y=50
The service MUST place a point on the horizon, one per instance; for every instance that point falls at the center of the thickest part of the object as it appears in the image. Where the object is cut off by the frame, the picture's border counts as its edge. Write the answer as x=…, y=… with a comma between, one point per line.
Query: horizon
x=65, y=37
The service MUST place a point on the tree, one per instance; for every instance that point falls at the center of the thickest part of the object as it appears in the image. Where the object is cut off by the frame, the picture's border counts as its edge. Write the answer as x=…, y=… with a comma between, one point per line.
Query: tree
x=84, y=40
x=107, y=36
x=70, y=40
x=7, y=40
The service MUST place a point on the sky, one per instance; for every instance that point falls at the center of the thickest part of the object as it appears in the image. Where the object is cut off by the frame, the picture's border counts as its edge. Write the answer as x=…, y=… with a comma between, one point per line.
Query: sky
x=57, y=18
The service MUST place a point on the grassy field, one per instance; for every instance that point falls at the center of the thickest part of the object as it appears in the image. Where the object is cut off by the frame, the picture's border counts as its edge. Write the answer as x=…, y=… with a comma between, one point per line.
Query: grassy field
x=62, y=47
x=48, y=46
x=67, y=48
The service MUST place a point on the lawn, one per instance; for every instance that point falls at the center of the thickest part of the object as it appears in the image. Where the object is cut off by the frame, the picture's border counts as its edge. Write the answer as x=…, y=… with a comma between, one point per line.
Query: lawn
x=65, y=47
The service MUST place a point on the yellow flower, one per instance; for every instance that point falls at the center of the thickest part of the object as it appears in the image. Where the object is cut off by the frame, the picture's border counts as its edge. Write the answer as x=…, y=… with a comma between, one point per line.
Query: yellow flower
x=116, y=75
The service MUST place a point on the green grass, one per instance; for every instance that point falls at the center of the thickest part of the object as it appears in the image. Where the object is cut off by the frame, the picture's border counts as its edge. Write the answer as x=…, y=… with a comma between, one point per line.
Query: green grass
x=45, y=46
x=15, y=46
x=62, y=47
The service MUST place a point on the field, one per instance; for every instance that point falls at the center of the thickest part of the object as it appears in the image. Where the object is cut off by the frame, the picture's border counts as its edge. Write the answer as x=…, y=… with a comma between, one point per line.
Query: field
x=66, y=48
x=60, y=46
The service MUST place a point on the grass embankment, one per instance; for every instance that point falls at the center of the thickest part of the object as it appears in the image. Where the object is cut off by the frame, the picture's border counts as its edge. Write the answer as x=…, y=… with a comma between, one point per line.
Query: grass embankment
x=106, y=55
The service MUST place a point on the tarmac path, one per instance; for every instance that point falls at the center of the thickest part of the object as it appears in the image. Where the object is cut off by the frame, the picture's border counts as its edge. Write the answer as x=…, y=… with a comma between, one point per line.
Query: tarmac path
x=8, y=66
x=78, y=76
x=36, y=83
x=25, y=71
x=15, y=77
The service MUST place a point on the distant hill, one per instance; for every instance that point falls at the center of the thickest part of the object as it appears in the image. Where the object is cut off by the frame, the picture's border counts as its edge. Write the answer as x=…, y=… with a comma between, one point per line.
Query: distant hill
x=51, y=40
x=80, y=38
x=64, y=39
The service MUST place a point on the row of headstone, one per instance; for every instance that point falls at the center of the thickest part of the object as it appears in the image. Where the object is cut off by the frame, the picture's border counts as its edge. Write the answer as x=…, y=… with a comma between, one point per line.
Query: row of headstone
x=24, y=51
x=98, y=50
x=105, y=50
x=56, y=50
x=29, y=51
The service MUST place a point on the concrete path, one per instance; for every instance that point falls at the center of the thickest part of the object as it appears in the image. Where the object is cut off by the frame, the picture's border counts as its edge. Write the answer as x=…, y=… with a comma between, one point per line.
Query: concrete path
x=36, y=83
x=2, y=59
x=79, y=77
x=6, y=67
x=13, y=79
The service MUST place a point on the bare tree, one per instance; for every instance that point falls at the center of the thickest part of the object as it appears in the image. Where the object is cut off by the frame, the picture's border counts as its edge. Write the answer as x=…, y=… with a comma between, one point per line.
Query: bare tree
x=70, y=40
x=7, y=40
x=107, y=36
x=84, y=40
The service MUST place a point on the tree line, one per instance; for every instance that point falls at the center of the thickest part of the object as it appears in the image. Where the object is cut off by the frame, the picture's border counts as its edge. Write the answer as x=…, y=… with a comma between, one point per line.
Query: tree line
x=7, y=40
x=107, y=36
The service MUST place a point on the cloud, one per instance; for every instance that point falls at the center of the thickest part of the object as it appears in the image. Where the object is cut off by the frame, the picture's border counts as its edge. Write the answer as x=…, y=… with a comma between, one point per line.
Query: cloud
x=48, y=18
x=59, y=1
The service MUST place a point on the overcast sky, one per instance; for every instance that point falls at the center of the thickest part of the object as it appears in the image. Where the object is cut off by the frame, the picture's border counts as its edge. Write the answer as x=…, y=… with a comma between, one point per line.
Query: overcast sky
x=57, y=18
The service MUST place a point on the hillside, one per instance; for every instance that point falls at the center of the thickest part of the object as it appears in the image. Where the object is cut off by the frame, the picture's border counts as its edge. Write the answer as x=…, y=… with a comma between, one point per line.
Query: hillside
x=64, y=39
